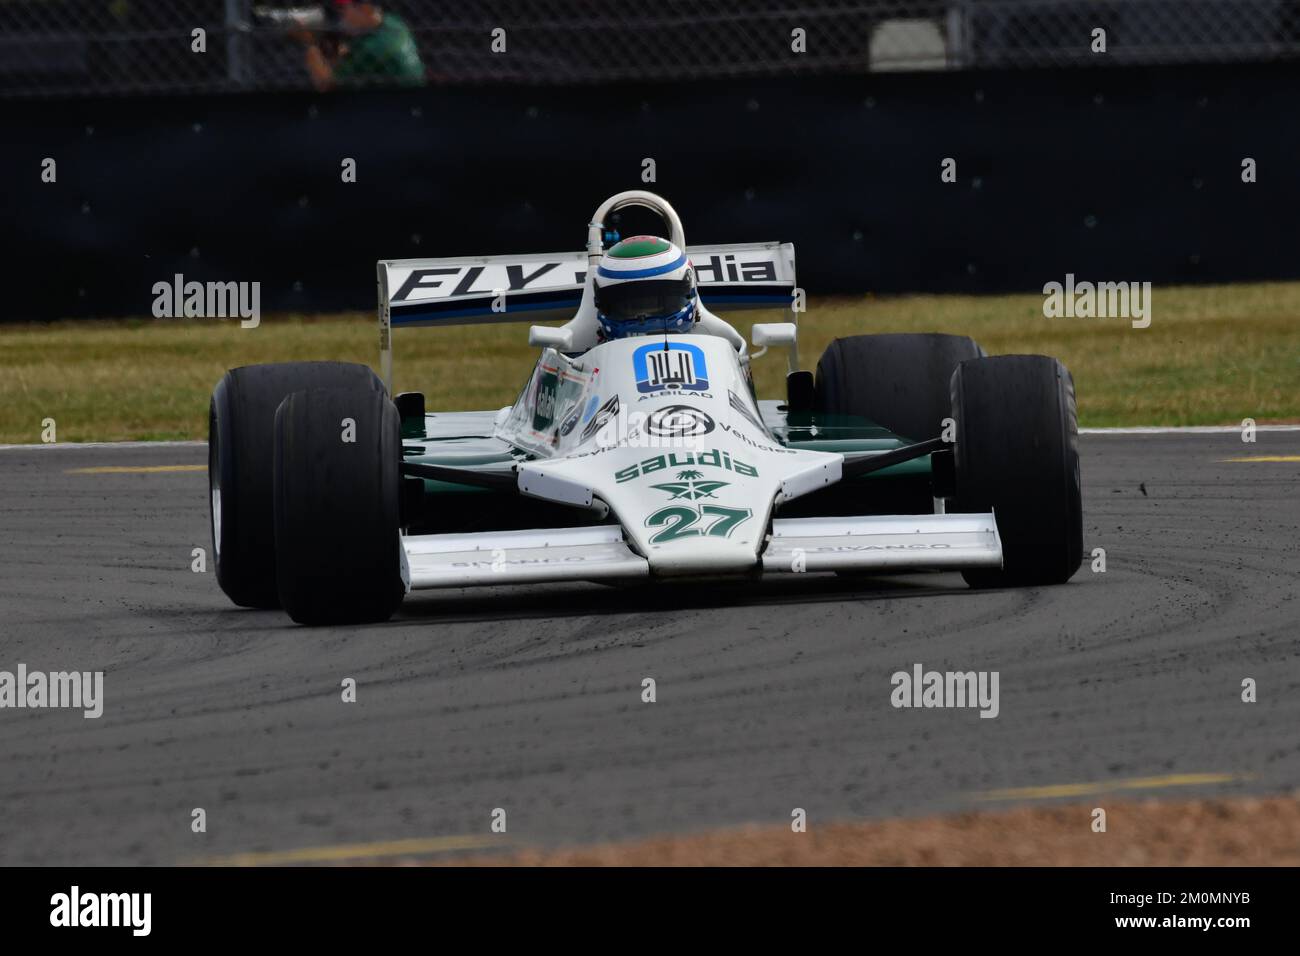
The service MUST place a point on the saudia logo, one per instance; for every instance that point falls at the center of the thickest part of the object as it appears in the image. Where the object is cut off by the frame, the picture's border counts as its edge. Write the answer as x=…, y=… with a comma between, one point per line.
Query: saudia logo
x=716, y=458
x=727, y=269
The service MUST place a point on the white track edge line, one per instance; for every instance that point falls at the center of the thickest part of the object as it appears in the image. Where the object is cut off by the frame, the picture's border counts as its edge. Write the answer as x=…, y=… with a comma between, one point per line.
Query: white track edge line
x=105, y=444
x=1137, y=430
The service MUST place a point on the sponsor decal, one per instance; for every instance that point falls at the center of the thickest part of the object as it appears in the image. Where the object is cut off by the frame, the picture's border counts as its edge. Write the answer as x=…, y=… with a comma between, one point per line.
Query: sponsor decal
x=444, y=281
x=542, y=274
x=678, y=521
x=678, y=421
x=727, y=269
x=653, y=396
x=600, y=449
x=670, y=366
x=548, y=384
x=880, y=547
x=607, y=411
x=691, y=486
x=753, y=443
x=571, y=422
x=715, y=458
x=512, y=562
x=591, y=408
x=740, y=405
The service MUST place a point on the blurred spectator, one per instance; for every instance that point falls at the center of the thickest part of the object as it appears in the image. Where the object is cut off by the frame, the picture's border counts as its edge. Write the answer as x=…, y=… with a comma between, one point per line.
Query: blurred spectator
x=374, y=47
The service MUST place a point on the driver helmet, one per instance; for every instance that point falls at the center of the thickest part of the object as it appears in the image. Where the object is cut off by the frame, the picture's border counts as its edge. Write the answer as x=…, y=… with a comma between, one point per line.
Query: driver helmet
x=645, y=285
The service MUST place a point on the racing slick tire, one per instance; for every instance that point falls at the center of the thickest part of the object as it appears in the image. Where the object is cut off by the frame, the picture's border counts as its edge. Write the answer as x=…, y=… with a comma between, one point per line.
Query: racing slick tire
x=1017, y=455
x=241, y=429
x=338, y=549
x=899, y=381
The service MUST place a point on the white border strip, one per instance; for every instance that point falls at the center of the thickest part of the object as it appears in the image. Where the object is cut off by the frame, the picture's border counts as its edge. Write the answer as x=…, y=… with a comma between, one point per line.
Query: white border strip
x=1186, y=430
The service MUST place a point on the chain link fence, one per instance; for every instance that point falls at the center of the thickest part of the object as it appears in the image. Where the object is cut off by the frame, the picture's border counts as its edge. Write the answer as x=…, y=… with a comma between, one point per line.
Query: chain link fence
x=98, y=47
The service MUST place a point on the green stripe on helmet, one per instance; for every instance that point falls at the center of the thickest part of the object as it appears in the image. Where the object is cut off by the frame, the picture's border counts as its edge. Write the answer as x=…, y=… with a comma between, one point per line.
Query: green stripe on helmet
x=637, y=247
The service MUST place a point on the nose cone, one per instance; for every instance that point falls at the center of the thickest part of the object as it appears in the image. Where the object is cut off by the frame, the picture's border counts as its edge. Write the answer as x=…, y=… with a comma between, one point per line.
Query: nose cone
x=701, y=512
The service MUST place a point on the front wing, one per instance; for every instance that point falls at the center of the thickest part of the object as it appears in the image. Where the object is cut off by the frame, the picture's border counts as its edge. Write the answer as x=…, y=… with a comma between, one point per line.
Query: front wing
x=867, y=543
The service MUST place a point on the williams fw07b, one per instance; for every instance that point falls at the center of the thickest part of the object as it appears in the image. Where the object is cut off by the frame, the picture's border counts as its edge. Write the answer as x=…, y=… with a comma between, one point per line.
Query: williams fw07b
x=637, y=449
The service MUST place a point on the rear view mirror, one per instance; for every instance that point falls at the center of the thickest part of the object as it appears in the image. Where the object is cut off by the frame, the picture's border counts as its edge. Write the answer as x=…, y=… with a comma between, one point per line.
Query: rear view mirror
x=773, y=333
x=544, y=336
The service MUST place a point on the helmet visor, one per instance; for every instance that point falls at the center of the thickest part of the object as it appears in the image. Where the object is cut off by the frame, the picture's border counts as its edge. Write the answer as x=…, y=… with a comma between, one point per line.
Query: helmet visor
x=642, y=301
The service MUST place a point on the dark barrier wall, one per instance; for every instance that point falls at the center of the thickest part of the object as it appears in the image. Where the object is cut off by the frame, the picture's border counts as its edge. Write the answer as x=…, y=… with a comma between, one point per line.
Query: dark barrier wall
x=1110, y=175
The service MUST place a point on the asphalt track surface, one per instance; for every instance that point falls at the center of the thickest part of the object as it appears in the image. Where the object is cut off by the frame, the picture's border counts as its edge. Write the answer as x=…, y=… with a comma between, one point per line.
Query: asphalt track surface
x=770, y=696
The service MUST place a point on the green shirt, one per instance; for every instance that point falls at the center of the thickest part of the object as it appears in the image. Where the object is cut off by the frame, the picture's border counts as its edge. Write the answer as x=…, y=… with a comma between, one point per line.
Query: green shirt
x=386, y=54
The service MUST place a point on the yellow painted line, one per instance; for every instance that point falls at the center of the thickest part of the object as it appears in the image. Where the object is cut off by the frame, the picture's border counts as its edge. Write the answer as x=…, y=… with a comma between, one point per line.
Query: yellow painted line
x=133, y=470
x=1265, y=458
x=358, y=851
x=1106, y=786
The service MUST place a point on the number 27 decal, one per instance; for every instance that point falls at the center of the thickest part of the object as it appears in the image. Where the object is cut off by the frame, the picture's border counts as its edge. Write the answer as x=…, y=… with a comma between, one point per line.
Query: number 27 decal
x=678, y=521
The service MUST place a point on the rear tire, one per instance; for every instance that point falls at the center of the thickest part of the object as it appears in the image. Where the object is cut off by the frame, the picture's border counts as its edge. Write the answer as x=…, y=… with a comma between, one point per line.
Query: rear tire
x=338, y=549
x=1017, y=455
x=241, y=432
x=899, y=381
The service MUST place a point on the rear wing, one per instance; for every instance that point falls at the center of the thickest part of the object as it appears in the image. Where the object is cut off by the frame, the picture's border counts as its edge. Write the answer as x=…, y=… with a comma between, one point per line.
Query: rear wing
x=544, y=287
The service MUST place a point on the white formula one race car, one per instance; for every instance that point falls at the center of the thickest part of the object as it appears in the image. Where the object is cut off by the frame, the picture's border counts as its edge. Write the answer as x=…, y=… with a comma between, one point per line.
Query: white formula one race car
x=638, y=448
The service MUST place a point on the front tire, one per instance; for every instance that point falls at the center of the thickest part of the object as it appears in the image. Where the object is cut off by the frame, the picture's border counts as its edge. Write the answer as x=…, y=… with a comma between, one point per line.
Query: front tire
x=338, y=548
x=1017, y=455
x=241, y=432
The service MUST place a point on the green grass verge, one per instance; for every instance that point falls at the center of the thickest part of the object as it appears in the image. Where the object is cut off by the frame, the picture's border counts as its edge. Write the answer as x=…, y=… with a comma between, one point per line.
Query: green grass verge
x=1212, y=355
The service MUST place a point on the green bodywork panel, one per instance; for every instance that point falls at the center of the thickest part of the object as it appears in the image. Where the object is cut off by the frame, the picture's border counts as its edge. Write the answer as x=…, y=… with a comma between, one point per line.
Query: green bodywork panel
x=466, y=440
x=845, y=434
